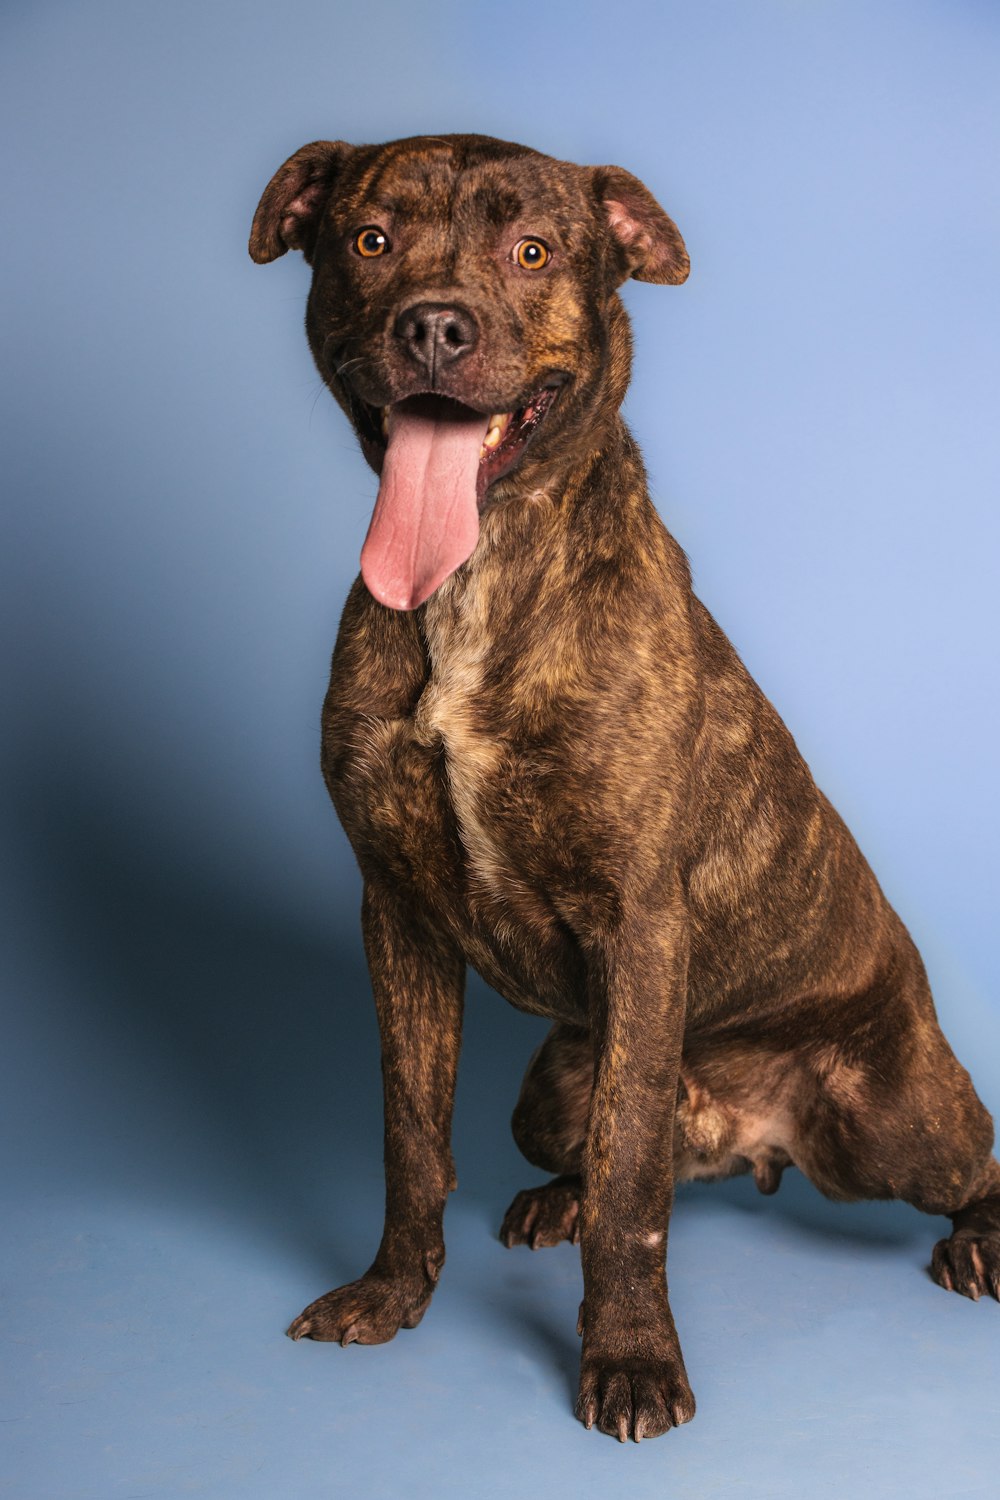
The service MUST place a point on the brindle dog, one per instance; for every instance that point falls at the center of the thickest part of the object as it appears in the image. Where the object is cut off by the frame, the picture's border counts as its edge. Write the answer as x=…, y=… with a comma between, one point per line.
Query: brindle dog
x=552, y=765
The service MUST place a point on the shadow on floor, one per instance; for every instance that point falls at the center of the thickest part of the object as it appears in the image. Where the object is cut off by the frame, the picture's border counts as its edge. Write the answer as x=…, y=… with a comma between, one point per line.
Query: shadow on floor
x=195, y=1047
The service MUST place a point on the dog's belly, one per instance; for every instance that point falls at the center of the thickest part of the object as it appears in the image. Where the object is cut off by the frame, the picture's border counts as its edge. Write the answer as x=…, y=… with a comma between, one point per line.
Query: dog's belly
x=737, y=1114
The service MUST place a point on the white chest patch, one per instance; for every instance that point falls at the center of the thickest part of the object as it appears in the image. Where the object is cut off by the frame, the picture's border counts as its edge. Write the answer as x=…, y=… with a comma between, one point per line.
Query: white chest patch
x=449, y=714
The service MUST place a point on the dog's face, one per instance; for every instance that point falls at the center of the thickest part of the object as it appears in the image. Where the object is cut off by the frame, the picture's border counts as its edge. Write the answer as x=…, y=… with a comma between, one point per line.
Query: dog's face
x=463, y=313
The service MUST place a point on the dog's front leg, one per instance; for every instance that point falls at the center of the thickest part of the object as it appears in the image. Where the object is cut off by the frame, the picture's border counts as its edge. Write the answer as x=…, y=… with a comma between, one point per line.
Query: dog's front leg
x=418, y=981
x=632, y=1381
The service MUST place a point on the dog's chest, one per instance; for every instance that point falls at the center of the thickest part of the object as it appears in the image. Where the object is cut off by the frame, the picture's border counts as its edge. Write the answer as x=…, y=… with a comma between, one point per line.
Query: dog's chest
x=458, y=715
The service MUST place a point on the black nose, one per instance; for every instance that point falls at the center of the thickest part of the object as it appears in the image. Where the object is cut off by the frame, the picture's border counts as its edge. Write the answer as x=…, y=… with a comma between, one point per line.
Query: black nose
x=436, y=335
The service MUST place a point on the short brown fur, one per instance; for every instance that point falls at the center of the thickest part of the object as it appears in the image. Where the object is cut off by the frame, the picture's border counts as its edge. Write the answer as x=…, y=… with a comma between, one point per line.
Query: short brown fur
x=558, y=770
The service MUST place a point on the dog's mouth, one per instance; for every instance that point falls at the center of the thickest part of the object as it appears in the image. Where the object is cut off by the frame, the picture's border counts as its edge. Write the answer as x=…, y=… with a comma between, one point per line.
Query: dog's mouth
x=507, y=433
x=440, y=458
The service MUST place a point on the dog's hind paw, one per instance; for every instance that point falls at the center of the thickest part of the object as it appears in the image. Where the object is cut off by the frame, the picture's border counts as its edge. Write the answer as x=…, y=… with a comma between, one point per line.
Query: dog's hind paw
x=544, y=1215
x=969, y=1263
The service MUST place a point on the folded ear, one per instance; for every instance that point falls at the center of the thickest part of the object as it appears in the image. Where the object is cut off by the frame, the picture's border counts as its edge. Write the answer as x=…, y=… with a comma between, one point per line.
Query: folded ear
x=289, y=214
x=647, y=243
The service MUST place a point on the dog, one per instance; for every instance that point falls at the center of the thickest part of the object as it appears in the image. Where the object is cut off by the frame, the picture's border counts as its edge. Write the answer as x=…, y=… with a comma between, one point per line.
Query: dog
x=552, y=765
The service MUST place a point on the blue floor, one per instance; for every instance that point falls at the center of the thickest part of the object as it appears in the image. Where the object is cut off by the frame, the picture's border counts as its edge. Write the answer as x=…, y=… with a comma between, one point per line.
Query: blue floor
x=157, y=1247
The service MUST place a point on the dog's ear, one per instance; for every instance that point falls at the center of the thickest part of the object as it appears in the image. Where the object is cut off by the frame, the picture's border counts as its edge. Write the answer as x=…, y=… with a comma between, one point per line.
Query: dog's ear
x=288, y=215
x=646, y=242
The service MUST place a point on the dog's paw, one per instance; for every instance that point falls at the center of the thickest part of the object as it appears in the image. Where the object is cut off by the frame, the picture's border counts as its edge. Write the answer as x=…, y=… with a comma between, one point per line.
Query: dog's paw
x=544, y=1215
x=969, y=1263
x=369, y=1311
x=634, y=1398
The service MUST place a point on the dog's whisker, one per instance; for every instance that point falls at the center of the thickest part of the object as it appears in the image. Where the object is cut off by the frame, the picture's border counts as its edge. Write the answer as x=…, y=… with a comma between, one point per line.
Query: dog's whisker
x=350, y=364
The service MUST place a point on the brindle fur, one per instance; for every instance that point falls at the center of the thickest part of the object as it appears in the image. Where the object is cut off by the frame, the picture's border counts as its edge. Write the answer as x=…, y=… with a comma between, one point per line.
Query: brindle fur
x=559, y=771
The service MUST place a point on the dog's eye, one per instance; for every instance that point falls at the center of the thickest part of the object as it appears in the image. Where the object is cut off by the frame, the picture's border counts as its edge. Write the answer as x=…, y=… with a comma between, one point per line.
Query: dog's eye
x=371, y=241
x=531, y=254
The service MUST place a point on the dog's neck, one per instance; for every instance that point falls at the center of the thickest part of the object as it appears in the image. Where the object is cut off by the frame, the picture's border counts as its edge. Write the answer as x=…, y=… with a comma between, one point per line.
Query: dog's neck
x=545, y=546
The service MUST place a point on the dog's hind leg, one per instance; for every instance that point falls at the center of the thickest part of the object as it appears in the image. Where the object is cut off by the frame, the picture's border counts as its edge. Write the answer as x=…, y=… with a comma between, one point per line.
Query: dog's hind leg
x=549, y=1125
x=896, y=1116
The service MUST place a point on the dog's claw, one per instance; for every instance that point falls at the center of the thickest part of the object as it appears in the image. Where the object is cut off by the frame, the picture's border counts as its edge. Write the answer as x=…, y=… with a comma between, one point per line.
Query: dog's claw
x=681, y=1412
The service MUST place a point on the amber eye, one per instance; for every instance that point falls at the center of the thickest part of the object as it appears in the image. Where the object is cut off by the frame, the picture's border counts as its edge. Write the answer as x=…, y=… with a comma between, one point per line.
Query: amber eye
x=371, y=241
x=531, y=254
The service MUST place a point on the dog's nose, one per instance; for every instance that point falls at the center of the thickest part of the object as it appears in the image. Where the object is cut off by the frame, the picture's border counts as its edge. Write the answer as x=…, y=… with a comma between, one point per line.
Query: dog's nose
x=435, y=334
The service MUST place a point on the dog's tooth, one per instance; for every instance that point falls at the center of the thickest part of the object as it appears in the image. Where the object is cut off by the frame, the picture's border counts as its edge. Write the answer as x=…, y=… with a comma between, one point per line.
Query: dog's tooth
x=495, y=432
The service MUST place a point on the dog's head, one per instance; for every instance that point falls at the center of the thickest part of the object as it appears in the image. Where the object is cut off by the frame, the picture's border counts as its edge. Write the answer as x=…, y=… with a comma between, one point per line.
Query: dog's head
x=463, y=312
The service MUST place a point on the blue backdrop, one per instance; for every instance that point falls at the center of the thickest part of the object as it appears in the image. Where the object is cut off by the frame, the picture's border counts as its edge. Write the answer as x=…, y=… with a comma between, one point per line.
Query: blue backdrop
x=190, y=1089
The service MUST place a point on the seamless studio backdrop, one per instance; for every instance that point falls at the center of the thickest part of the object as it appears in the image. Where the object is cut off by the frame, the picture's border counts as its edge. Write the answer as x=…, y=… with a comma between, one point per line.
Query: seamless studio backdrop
x=190, y=1086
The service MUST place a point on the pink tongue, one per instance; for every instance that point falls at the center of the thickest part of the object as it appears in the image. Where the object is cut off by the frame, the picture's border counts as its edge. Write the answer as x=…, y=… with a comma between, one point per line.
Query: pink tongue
x=426, y=518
